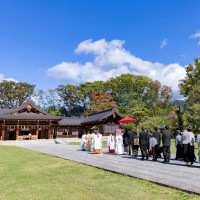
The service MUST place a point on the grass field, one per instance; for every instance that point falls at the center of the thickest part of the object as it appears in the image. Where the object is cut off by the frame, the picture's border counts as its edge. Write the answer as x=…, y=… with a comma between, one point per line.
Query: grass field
x=26, y=174
x=173, y=148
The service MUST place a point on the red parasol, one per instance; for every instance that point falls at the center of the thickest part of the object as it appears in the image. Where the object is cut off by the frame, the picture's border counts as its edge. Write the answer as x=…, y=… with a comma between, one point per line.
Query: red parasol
x=127, y=119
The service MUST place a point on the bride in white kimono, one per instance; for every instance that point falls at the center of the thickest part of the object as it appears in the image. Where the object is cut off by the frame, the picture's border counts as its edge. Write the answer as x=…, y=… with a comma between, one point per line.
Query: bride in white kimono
x=119, y=142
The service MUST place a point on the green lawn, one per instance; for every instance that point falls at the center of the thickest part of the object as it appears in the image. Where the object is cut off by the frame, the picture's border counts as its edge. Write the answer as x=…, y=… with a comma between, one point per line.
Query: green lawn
x=26, y=174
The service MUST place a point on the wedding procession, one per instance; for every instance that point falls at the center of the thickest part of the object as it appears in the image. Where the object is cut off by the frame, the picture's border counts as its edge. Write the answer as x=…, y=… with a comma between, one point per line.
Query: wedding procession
x=129, y=143
x=99, y=100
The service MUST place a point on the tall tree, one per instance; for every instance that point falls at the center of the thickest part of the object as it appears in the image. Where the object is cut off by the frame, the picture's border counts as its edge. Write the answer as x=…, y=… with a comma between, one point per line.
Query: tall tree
x=157, y=98
x=190, y=88
x=15, y=93
x=126, y=84
x=88, y=87
x=71, y=97
x=40, y=98
x=99, y=101
x=191, y=79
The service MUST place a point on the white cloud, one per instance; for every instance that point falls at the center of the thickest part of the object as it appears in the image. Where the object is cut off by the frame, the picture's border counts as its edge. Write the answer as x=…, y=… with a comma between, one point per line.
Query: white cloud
x=196, y=36
x=183, y=56
x=163, y=43
x=2, y=78
x=111, y=59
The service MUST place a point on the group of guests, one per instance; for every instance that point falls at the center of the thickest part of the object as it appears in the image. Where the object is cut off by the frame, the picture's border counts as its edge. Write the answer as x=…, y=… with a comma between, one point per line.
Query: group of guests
x=92, y=142
x=185, y=145
x=149, y=143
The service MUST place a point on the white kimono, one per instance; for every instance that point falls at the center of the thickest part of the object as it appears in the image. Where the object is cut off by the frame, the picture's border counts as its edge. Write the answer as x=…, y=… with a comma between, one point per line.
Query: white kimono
x=111, y=142
x=119, y=145
x=83, y=143
x=97, y=143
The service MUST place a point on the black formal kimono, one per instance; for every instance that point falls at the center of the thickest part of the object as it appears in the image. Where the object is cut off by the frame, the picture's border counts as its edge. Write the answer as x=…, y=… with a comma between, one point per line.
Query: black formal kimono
x=125, y=142
x=130, y=141
x=166, y=139
x=143, y=139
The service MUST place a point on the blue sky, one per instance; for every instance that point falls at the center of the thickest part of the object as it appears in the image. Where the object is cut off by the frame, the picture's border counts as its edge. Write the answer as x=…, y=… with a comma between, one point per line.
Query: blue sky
x=48, y=43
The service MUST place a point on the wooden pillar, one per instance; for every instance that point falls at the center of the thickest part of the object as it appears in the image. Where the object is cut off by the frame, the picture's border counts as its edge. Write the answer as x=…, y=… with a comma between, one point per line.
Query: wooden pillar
x=56, y=130
x=49, y=133
x=17, y=132
x=2, y=132
x=37, y=132
x=67, y=132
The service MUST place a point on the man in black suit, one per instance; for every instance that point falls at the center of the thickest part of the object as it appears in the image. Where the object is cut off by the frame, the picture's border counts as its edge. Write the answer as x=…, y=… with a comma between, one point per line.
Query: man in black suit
x=143, y=139
x=130, y=140
x=166, y=139
x=156, y=134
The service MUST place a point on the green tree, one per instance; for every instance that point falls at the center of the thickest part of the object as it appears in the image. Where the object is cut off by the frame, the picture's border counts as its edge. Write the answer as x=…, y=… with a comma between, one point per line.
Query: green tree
x=190, y=88
x=127, y=84
x=88, y=87
x=40, y=99
x=15, y=93
x=71, y=97
x=192, y=78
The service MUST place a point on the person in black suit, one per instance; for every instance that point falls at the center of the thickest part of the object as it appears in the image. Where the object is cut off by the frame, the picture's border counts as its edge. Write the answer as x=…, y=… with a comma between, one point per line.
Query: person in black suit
x=166, y=139
x=143, y=140
x=156, y=134
x=130, y=140
x=125, y=141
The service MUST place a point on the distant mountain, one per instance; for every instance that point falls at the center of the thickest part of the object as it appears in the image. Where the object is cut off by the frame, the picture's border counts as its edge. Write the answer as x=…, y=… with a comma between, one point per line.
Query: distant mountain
x=180, y=103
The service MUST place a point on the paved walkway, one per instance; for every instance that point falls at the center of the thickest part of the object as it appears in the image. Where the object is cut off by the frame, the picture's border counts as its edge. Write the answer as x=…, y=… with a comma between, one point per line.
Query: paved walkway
x=174, y=174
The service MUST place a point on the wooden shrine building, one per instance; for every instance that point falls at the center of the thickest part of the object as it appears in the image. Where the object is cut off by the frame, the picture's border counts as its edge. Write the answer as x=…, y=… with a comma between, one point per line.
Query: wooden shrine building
x=26, y=122
x=105, y=121
x=30, y=122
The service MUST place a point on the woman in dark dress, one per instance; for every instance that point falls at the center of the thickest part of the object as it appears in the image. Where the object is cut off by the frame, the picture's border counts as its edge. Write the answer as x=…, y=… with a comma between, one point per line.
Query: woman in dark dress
x=192, y=157
x=149, y=150
x=125, y=141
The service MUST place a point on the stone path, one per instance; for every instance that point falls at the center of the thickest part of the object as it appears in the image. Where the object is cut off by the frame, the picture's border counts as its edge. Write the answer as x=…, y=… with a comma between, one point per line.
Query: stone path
x=175, y=174
x=40, y=141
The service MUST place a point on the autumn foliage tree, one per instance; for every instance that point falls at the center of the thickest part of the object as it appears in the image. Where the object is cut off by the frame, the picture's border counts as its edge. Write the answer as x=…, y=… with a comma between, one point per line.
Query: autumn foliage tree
x=99, y=101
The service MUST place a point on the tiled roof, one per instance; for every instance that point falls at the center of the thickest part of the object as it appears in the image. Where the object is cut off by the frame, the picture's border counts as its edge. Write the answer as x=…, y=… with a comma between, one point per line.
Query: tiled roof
x=101, y=115
x=5, y=110
x=75, y=121
x=71, y=121
x=25, y=104
x=27, y=116
x=12, y=113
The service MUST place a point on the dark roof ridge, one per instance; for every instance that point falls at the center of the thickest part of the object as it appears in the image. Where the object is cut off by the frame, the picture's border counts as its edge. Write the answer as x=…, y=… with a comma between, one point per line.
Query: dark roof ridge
x=25, y=104
x=74, y=117
x=111, y=109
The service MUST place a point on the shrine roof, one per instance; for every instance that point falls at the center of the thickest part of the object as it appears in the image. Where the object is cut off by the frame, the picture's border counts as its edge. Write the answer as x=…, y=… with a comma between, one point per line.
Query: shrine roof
x=101, y=115
x=30, y=117
x=71, y=121
x=27, y=111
